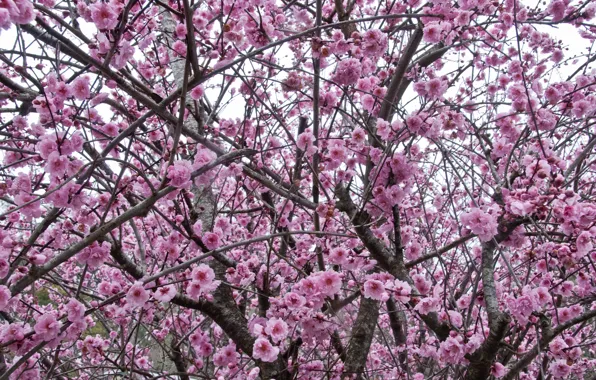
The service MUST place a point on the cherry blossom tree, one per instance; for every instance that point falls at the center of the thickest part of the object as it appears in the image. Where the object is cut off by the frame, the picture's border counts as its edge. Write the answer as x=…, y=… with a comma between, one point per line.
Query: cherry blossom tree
x=297, y=189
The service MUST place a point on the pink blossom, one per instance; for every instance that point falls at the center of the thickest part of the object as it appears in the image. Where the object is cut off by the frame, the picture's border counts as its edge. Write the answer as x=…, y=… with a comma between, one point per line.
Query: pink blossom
x=203, y=274
x=110, y=129
x=226, y=356
x=329, y=283
x=374, y=42
x=25, y=14
x=368, y=102
x=557, y=8
x=583, y=244
x=541, y=295
x=498, y=370
x=197, y=92
x=338, y=256
x=401, y=291
x=481, y=223
x=422, y=285
x=137, y=295
x=253, y=374
x=451, y=351
x=293, y=300
x=455, y=318
x=47, y=327
x=559, y=369
x=13, y=332
x=432, y=32
x=348, y=71
x=104, y=15
x=358, y=136
x=277, y=329
x=95, y=254
x=57, y=164
x=46, y=146
x=293, y=82
x=305, y=140
x=374, y=289
x=179, y=173
x=204, y=349
x=523, y=307
x=4, y=297
x=80, y=88
x=75, y=310
x=264, y=351
x=435, y=88
x=165, y=293
x=427, y=305
x=211, y=240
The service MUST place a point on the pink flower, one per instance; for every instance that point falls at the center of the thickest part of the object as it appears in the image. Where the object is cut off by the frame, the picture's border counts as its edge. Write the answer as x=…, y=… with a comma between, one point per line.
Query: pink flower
x=293, y=300
x=552, y=95
x=422, y=285
x=253, y=374
x=226, y=356
x=5, y=19
x=557, y=8
x=374, y=42
x=338, y=256
x=197, y=93
x=80, y=88
x=541, y=295
x=203, y=274
x=95, y=255
x=427, y=305
x=5, y=296
x=329, y=283
x=179, y=173
x=522, y=307
x=451, y=351
x=56, y=164
x=374, y=289
x=305, y=140
x=211, y=240
x=25, y=13
x=432, y=32
x=47, y=327
x=205, y=349
x=276, y=329
x=498, y=370
x=110, y=129
x=104, y=15
x=137, y=295
x=180, y=48
x=368, y=102
x=75, y=311
x=559, y=369
x=14, y=331
x=46, y=146
x=435, y=88
x=401, y=291
x=194, y=290
x=481, y=223
x=165, y=293
x=293, y=82
x=359, y=136
x=583, y=244
x=348, y=71
x=455, y=318
x=263, y=350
